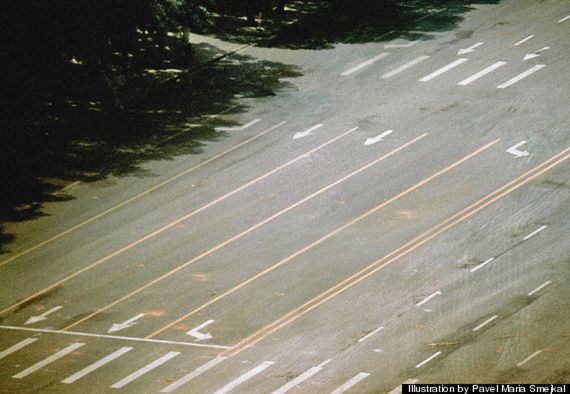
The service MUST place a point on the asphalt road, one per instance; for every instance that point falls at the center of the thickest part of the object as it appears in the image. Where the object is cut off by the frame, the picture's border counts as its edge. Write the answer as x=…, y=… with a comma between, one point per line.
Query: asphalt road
x=399, y=214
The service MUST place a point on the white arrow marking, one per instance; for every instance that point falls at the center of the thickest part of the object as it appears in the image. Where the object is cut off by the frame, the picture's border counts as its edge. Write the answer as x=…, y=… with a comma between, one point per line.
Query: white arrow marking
x=305, y=133
x=470, y=49
x=126, y=324
x=535, y=54
x=524, y=40
x=238, y=128
x=378, y=138
x=364, y=64
x=408, y=45
x=43, y=316
x=195, y=332
x=564, y=19
x=428, y=298
x=522, y=75
x=518, y=153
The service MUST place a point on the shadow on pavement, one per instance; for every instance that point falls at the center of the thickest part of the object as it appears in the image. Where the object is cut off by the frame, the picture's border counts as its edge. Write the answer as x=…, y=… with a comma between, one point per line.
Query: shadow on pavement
x=319, y=24
x=63, y=122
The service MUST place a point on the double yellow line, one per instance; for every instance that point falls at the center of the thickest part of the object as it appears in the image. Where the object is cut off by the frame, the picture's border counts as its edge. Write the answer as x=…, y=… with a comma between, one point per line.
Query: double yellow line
x=397, y=254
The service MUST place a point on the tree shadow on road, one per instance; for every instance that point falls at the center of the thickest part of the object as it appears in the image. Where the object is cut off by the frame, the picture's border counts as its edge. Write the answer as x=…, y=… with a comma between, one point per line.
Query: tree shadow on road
x=319, y=24
x=61, y=122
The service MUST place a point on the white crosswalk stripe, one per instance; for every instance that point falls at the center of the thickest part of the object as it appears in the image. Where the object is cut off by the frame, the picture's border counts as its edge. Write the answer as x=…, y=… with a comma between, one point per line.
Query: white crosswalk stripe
x=17, y=347
x=301, y=378
x=245, y=377
x=147, y=368
x=105, y=360
x=522, y=75
x=443, y=70
x=351, y=383
x=481, y=73
x=404, y=67
x=47, y=361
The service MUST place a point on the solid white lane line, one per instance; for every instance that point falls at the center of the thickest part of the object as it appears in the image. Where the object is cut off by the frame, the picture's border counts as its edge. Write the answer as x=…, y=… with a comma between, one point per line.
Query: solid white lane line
x=147, y=368
x=564, y=19
x=542, y=286
x=365, y=64
x=524, y=40
x=481, y=73
x=522, y=75
x=96, y=365
x=529, y=358
x=404, y=67
x=16, y=347
x=398, y=389
x=428, y=298
x=484, y=263
x=534, y=232
x=195, y=373
x=489, y=320
x=351, y=383
x=88, y=334
x=47, y=361
x=301, y=378
x=245, y=377
x=427, y=360
x=370, y=334
x=239, y=128
x=442, y=70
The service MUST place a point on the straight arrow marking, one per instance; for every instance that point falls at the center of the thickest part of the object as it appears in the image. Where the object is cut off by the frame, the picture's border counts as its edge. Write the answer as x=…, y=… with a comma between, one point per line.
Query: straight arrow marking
x=126, y=324
x=305, y=133
x=43, y=316
x=378, y=138
x=470, y=49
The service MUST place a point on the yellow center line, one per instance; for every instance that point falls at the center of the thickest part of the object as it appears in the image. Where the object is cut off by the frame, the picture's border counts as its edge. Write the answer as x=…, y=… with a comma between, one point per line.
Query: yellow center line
x=397, y=254
x=324, y=238
x=242, y=234
x=134, y=198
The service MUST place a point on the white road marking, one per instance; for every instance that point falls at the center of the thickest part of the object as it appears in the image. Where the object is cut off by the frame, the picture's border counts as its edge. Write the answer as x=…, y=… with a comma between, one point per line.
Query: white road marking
x=408, y=45
x=522, y=75
x=534, y=232
x=43, y=316
x=47, y=361
x=542, y=286
x=370, y=334
x=351, y=383
x=301, y=378
x=238, y=128
x=96, y=365
x=489, y=320
x=245, y=377
x=524, y=40
x=469, y=50
x=16, y=347
x=364, y=64
x=126, y=324
x=404, y=67
x=529, y=56
x=305, y=133
x=444, y=69
x=200, y=336
x=147, y=368
x=484, y=263
x=520, y=364
x=513, y=150
x=378, y=138
x=564, y=19
x=428, y=298
x=481, y=73
x=87, y=334
x=398, y=389
x=188, y=377
x=427, y=360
